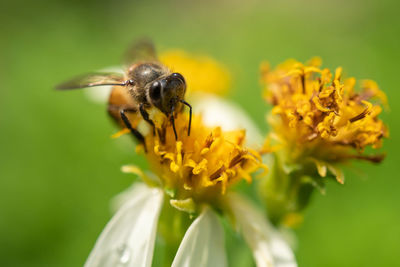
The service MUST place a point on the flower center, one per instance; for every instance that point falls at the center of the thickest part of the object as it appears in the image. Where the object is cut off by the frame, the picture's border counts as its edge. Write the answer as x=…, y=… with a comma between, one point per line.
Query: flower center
x=312, y=103
x=203, y=165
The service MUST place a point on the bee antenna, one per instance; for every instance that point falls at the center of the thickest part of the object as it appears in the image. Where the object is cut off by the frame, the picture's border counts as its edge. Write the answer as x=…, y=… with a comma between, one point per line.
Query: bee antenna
x=129, y=82
x=173, y=122
x=190, y=114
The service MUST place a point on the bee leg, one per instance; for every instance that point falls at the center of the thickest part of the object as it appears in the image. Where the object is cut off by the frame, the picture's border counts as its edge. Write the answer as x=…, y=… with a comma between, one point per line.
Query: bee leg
x=172, y=119
x=146, y=117
x=190, y=114
x=135, y=132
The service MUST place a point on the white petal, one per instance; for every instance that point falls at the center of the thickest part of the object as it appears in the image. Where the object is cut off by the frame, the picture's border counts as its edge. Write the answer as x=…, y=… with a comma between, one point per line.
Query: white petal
x=203, y=243
x=269, y=248
x=217, y=111
x=283, y=255
x=123, y=197
x=119, y=200
x=128, y=239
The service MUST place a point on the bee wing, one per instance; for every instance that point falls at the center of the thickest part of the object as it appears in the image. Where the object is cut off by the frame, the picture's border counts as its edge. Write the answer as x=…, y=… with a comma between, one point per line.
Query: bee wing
x=93, y=79
x=142, y=50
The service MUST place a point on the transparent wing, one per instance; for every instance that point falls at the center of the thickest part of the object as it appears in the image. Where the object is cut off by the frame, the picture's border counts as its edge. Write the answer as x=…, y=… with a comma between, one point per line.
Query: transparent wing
x=141, y=50
x=92, y=79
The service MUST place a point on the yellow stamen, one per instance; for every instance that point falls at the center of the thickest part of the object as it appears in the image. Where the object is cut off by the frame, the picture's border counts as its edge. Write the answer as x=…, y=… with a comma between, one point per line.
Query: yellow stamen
x=321, y=116
x=120, y=133
x=202, y=165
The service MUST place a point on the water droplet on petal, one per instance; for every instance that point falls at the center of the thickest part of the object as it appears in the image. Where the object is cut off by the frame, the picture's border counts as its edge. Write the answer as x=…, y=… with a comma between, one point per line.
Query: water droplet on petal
x=124, y=254
x=117, y=257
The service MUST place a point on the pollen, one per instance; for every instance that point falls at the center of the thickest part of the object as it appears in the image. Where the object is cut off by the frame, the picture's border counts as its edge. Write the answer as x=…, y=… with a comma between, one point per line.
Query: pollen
x=320, y=113
x=201, y=166
x=202, y=73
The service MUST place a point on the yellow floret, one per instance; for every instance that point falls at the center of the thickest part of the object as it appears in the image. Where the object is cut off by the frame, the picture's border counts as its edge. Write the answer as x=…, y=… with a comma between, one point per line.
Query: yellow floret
x=202, y=73
x=321, y=117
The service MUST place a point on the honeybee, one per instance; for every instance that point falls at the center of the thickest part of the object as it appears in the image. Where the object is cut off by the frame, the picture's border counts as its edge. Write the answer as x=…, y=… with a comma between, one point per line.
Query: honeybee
x=146, y=83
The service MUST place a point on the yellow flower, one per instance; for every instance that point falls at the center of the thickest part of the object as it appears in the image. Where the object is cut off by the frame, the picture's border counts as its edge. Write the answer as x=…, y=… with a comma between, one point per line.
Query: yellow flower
x=190, y=173
x=202, y=73
x=199, y=167
x=320, y=117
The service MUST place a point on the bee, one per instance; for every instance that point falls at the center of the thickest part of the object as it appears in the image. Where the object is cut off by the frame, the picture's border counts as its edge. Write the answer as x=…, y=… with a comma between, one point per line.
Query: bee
x=145, y=84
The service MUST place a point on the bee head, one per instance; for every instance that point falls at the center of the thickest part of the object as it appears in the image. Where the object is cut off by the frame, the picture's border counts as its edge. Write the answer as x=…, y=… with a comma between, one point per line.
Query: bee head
x=166, y=93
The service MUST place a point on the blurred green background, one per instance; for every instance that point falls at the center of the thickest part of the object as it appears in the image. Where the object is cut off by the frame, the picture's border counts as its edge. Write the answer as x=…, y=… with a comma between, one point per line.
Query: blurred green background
x=59, y=168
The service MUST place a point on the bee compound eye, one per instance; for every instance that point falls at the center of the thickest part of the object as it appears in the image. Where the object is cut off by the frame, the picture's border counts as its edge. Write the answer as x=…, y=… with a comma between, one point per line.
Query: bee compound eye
x=178, y=76
x=155, y=91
